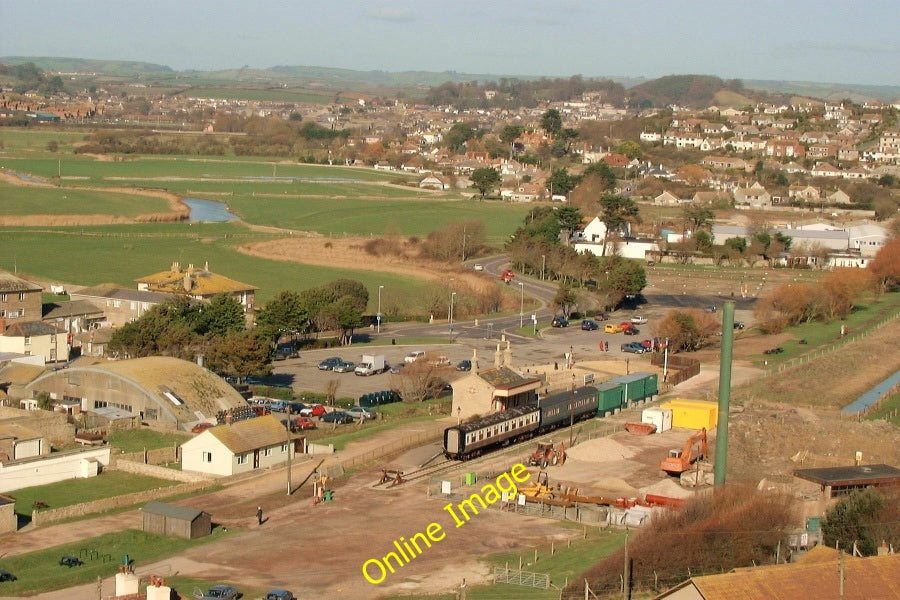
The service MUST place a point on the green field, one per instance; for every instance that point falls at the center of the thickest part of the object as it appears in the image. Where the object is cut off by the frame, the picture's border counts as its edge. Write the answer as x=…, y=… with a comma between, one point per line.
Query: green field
x=19, y=201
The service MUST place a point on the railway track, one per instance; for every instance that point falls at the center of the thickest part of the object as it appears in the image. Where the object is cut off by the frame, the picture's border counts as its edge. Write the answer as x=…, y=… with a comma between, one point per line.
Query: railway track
x=393, y=477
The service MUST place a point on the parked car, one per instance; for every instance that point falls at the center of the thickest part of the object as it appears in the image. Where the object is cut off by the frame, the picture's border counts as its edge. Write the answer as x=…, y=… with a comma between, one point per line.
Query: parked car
x=280, y=595
x=464, y=365
x=220, y=592
x=601, y=316
x=301, y=423
x=6, y=576
x=361, y=412
x=639, y=320
x=631, y=331
x=589, y=325
x=634, y=347
x=330, y=363
x=738, y=324
x=711, y=308
x=201, y=427
x=612, y=328
x=478, y=267
x=337, y=416
x=559, y=321
x=312, y=410
x=397, y=368
x=344, y=367
x=294, y=408
x=414, y=356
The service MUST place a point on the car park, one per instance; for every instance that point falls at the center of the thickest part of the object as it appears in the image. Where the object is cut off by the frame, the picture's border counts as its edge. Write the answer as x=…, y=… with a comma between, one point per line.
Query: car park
x=344, y=367
x=337, y=416
x=414, y=356
x=6, y=575
x=329, y=363
x=634, y=347
x=639, y=320
x=312, y=410
x=464, y=365
x=559, y=321
x=362, y=412
x=280, y=595
x=589, y=325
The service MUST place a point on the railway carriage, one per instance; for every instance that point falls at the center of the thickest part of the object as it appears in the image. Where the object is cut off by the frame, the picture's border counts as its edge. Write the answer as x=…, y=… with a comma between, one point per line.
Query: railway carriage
x=471, y=439
x=560, y=409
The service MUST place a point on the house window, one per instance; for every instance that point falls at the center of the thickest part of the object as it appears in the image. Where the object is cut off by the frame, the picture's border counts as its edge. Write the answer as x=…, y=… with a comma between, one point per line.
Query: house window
x=284, y=448
x=27, y=340
x=21, y=295
x=207, y=457
x=3, y=297
x=117, y=304
x=267, y=452
x=242, y=459
x=134, y=305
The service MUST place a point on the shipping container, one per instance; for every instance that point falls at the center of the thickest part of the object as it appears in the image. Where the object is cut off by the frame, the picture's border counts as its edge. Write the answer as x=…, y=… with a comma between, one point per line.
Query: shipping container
x=693, y=414
x=661, y=417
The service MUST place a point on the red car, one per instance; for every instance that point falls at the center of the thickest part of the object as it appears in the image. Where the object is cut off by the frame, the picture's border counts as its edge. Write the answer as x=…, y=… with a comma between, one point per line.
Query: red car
x=301, y=423
x=313, y=410
x=200, y=427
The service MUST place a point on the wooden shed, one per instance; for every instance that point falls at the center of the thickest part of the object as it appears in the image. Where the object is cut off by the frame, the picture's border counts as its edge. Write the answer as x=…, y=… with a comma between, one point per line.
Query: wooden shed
x=176, y=521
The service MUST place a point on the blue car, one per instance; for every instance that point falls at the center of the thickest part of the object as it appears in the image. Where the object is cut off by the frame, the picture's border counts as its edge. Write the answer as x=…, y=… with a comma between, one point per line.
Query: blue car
x=280, y=595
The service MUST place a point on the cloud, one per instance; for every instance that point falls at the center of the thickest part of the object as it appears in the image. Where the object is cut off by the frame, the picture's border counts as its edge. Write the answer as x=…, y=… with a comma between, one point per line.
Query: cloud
x=393, y=15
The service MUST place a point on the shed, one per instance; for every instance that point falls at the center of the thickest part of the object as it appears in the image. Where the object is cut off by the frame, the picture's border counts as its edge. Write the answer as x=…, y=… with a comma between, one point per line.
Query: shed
x=8, y=519
x=176, y=521
x=837, y=481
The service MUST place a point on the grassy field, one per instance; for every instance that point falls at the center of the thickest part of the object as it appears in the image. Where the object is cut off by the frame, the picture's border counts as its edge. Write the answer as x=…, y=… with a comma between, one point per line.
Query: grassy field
x=18, y=201
x=40, y=571
x=66, y=493
x=889, y=410
x=136, y=440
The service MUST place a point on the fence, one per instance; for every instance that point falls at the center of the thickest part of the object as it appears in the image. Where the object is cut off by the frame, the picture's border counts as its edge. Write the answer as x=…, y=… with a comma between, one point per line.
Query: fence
x=847, y=339
x=336, y=469
x=680, y=368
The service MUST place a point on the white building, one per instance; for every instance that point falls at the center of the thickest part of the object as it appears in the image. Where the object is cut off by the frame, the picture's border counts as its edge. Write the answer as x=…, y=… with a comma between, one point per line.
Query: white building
x=238, y=447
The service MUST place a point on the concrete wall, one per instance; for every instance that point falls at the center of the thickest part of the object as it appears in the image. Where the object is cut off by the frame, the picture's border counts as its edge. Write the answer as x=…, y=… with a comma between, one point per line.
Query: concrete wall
x=8, y=519
x=72, y=464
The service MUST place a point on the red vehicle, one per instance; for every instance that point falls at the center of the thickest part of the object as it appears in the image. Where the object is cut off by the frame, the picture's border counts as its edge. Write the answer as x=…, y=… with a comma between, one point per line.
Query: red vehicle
x=301, y=423
x=312, y=410
x=626, y=325
x=260, y=411
x=507, y=276
x=200, y=427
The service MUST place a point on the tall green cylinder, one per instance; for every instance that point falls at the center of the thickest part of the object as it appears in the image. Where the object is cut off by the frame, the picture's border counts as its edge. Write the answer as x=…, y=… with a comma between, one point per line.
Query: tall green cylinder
x=724, y=394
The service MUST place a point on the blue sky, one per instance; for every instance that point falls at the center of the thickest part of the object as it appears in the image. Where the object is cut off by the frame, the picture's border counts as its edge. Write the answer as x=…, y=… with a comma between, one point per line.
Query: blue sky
x=797, y=40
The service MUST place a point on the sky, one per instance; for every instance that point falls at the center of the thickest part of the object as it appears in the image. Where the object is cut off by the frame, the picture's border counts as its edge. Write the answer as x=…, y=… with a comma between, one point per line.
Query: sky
x=794, y=40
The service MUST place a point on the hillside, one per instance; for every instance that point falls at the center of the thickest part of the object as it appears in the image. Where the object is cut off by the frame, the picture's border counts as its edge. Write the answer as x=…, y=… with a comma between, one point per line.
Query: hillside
x=685, y=90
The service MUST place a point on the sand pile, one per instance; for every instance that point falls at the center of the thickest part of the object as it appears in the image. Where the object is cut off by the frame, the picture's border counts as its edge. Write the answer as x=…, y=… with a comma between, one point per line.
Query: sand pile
x=600, y=450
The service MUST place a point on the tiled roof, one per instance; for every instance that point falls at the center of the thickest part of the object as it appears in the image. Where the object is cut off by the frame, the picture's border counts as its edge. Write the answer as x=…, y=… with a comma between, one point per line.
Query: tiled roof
x=504, y=377
x=30, y=329
x=11, y=283
x=74, y=308
x=193, y=281
x=170, y=510
x=115, y=292
x=251, y=434
x=864, y=579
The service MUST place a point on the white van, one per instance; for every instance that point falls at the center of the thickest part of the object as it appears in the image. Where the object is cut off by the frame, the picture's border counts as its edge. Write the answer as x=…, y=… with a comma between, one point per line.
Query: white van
x=414, y=356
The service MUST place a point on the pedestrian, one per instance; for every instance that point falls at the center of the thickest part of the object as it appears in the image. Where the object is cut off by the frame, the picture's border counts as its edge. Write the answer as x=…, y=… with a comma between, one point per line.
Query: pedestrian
x=259, y=514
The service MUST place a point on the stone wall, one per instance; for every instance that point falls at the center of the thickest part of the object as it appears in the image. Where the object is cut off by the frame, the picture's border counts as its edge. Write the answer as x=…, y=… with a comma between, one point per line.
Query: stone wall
x=139, y=468
x=157, y=456
x=53, y=426
x=41, y=518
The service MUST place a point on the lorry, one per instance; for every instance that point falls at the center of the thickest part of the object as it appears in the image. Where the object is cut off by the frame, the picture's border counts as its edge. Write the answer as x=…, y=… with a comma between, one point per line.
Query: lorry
x=371, y=364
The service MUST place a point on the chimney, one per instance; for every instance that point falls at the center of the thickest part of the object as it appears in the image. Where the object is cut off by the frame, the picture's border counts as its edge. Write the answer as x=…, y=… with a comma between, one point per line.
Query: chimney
x=187, y=282
x=229, y=417
x=176, y=267
x=474, y=360
x=206, y=266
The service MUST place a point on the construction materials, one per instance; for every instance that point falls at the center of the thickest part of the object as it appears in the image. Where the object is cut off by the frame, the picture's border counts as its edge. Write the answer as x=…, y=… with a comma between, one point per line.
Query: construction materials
x=695, y=449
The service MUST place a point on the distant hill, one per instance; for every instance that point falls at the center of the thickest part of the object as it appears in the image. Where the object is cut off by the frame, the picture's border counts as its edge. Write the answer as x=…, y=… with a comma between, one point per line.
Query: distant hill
x=696, y=91
x=84, y=65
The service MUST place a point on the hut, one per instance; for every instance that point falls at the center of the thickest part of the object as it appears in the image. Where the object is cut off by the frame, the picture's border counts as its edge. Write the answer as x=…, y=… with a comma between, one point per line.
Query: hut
x=176, y=521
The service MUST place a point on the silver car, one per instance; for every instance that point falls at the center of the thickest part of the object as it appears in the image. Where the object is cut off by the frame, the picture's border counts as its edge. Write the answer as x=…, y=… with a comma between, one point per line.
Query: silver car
x=362, y=413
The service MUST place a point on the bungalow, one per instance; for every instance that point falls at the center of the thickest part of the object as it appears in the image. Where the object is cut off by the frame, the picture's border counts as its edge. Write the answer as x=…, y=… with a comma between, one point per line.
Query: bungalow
x=825, y=170
x=784, y=149
x=855, y=173
x=434, y=182
x=805, y=193
x=725, y=162
x=667, y=198
x=199, y=284
x=237, y=447
x=527, y=192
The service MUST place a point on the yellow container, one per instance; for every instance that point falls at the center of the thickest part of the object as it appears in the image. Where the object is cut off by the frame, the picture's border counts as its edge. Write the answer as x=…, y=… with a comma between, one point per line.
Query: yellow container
x=693, y=414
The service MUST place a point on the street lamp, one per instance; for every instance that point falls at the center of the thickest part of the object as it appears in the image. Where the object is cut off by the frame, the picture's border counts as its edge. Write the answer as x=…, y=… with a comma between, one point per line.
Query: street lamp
x=452, y=295
x=521, y=305
x=378, y=317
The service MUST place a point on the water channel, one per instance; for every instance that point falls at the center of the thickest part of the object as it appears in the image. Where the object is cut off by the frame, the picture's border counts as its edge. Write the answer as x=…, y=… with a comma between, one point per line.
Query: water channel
x=208, y=211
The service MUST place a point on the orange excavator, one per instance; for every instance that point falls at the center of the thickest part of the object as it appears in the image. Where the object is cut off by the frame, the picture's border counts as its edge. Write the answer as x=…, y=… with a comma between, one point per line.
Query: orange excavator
x=679, y=461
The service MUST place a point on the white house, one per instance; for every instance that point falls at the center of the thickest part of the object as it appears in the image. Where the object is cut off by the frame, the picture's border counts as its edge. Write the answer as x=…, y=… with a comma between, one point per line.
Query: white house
x=35, y=338
x=754, y=196
x=238, y=447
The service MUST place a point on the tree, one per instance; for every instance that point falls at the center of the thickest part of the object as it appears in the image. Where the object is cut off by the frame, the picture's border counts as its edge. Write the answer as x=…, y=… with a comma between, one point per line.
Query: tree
x=560, y=182
x=485, y=180
x=697, y=217
x=738, y=244
x=865, y=518
x=510, y=133
x=687, y=330
x=617, y=211
x=458, y=135
x=344, y=314
x=551, y=121
x=603, y=172
x=285, y=313
x=421, y=380
x=631, y=149
x=222, y=315
x=564, y=300
x=886, y=265
x=238, y=354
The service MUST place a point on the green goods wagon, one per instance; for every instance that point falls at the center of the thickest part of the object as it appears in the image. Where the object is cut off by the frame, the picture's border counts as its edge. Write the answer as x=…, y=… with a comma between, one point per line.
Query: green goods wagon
x=611, y=395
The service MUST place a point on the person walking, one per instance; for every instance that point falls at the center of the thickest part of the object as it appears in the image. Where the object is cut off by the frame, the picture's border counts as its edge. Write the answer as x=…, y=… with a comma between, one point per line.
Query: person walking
x=259, y=514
